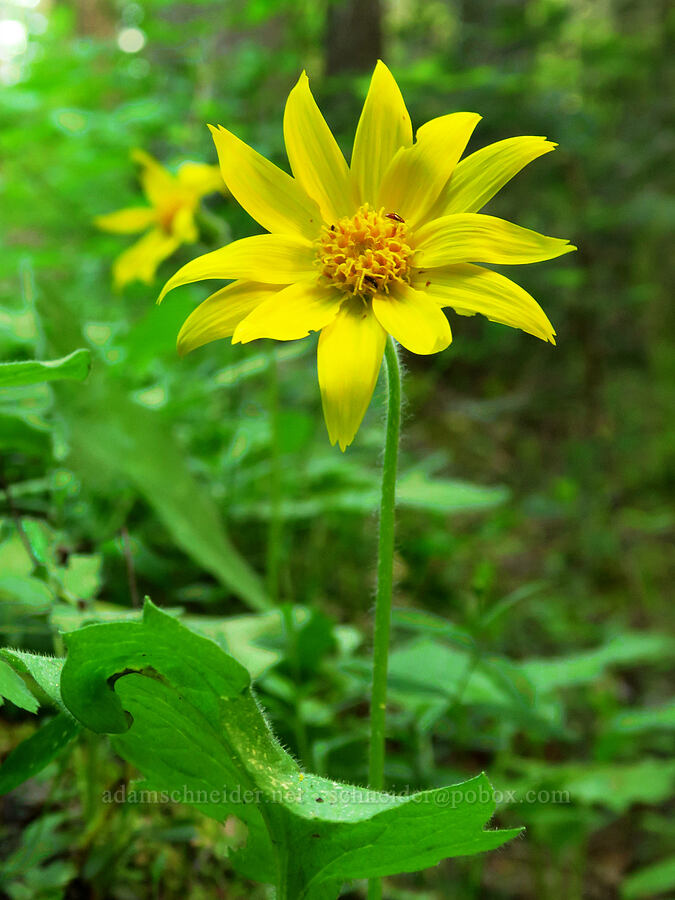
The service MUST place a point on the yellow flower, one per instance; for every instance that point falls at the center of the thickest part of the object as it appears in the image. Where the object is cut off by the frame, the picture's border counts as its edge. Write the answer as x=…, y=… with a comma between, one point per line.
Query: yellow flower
x=358, y=252
x=168, y=221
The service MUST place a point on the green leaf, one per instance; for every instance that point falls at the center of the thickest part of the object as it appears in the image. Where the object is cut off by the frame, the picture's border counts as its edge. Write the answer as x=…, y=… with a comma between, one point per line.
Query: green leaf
x=414, y=490
x=32, y=755
x=577, y=669
x=25, y=591
x=423, y=670
x=614, y=786
x=442, y=495
x=244, y=636
x=240, y=635
x=82, y=576
x=158, y=640
x=184, y=714
x=658, y=878
x=641, y=721
x=112, y=437
x=619, y=786
x=23, y=432
x=32, y=872
x=12, y=687
x=74, y=367
x=44, y=670
x=249, y=638
x=255, y=364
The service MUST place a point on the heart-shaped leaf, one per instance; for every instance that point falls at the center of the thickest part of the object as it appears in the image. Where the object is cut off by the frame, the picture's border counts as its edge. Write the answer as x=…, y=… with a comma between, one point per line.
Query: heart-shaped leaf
x=184, y=713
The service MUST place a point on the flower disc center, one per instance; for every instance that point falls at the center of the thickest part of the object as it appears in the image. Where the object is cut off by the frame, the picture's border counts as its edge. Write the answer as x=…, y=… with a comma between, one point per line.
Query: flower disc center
x=166, y=214
x=366, y=253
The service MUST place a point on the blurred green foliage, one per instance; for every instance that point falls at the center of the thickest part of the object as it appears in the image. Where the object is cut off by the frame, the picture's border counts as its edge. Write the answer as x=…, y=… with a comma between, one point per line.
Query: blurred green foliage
x=536, y=519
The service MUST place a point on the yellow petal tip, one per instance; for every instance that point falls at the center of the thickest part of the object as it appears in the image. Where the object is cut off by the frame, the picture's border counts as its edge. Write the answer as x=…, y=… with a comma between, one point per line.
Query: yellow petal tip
x=236, y=336
x=341, y=442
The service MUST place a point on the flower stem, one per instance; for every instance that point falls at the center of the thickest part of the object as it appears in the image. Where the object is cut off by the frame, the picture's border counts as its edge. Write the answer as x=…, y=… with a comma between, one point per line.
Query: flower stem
x=385, y=579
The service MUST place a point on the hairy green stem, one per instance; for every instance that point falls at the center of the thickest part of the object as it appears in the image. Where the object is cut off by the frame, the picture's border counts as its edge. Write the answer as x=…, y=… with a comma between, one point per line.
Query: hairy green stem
x=385, y=583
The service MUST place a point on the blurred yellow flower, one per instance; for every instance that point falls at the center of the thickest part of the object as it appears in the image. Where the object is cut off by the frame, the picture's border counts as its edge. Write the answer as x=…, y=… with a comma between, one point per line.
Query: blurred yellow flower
x=358, y=252
x=168, y=221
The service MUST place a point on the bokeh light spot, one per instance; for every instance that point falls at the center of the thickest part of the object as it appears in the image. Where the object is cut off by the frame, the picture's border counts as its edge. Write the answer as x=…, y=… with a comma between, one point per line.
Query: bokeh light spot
x=131, y=40
x=13, y=38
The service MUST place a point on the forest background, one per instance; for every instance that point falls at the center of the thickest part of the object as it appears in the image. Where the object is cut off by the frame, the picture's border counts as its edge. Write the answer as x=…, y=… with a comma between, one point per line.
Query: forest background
x=535, y=526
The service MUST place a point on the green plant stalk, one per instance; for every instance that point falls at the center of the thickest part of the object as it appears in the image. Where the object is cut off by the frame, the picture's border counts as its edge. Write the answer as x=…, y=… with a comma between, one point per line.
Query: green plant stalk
x=385, y=583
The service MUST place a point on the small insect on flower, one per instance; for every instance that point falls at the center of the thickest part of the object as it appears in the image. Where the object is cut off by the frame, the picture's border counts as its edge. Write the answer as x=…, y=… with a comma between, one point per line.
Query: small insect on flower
x=336, y=262
x=168, y=220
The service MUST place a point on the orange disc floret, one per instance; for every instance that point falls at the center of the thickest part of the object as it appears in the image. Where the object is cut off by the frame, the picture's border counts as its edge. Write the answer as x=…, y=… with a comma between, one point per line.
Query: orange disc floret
x=365, y=253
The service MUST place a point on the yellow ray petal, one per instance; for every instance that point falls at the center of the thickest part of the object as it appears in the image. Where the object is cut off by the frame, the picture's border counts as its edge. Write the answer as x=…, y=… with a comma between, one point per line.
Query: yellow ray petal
x=265, y=191
x=417, y=174
x=316, y=160
x=383, y=128
x=472, y=289
x=156, y=180
x=478, y=177
x=348, y=360
x=200, y=178
x=127, y=221
x=471, y=237
x=183, y=225
x=140, y=261
x=269, y=258
x=219, y=314
x=290, y=314
x=413, y=319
